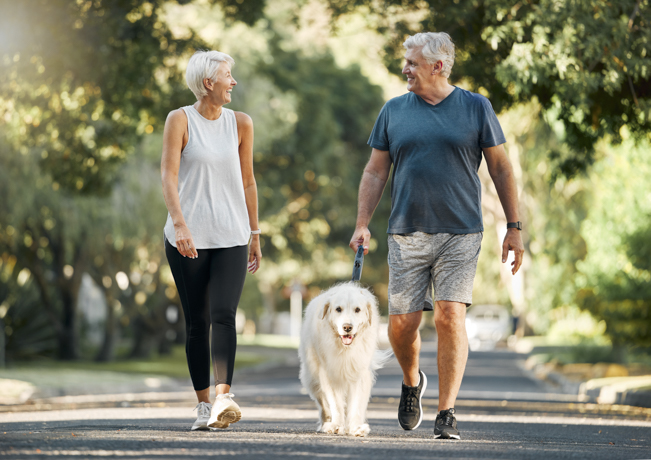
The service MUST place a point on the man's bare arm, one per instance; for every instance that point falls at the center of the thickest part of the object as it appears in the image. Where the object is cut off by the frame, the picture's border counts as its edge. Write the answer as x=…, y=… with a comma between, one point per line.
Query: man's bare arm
x=374, y=179
x=501, y=172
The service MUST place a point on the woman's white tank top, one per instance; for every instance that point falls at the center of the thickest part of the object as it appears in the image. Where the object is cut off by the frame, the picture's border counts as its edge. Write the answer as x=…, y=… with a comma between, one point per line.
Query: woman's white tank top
x=211, y=189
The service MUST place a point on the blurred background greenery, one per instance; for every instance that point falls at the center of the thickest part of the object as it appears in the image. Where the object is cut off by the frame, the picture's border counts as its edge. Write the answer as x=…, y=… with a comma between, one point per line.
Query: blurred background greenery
x=85, y=86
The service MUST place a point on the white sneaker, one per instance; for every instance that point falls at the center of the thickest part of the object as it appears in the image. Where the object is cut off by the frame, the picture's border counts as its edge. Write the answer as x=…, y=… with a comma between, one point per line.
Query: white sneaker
x=203, y=415
x=224, y=412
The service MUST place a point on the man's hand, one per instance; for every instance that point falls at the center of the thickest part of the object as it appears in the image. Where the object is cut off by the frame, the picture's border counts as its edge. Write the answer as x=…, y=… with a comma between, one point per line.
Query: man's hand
x=513, y=242
x=361, y=237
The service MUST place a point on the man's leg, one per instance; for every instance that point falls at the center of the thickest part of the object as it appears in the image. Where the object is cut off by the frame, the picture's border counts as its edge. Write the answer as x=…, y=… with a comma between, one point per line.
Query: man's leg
x=452, y=355
x=410, y=261
x=453, y=273
x=405, y=341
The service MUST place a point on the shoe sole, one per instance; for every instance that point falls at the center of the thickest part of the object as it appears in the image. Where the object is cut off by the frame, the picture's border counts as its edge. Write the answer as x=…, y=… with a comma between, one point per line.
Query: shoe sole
x=449, y=436
x=420, y=405
x=200, y=428
x=225, y=418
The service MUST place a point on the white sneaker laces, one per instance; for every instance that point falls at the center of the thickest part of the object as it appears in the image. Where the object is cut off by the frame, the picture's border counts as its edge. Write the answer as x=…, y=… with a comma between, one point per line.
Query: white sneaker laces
x=203, y=409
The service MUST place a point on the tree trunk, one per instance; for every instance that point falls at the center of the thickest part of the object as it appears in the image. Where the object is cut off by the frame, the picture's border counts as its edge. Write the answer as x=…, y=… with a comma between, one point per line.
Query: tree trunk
x=107, y=350
x=269, y=302
x=68, y=342
x=67, y=337
x=69, y=291
x=144, y=338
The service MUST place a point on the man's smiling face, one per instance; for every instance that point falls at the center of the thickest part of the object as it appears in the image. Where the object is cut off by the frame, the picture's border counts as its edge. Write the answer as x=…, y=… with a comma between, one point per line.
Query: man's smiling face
x=417, y=70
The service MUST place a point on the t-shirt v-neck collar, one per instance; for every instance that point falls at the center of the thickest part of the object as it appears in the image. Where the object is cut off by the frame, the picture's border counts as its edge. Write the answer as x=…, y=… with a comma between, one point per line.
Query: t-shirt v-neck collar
x=436, y=106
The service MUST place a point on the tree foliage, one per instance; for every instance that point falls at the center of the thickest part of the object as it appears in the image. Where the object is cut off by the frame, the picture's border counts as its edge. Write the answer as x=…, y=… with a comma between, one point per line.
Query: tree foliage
x=614, y=278
x=82, y=80
x=319, y=163
x=50, y=239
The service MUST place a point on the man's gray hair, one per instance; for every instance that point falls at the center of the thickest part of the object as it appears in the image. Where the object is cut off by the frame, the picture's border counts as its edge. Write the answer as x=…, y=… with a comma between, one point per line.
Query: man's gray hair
x=204, y=64
x=437, y=46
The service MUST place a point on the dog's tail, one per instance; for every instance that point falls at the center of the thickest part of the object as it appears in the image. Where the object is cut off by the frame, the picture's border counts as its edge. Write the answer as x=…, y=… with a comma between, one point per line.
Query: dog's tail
x=380, y=358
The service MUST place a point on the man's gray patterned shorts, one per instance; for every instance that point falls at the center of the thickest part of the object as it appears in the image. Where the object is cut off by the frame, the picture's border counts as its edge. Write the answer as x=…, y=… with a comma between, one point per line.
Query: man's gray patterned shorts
x=418, y=260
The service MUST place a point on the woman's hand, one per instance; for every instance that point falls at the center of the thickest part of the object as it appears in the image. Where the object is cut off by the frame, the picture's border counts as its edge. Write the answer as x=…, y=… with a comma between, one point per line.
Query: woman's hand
x=255, y=254
x=184, y=242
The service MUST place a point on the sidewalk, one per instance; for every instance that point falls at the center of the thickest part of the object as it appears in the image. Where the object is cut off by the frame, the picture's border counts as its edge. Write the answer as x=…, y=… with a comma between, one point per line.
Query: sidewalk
x=601, y=383
x=32, y=388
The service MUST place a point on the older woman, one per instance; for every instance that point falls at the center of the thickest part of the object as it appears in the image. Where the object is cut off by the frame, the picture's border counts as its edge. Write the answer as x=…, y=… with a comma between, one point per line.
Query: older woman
x=211, y=196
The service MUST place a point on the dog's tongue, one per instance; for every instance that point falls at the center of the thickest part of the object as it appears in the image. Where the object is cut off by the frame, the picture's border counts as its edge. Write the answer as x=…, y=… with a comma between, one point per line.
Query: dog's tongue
x=347, y=339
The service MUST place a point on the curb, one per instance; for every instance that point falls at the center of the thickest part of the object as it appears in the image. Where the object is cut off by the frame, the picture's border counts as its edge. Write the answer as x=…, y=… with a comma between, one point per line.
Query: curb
x=629, y=391
x=633, y=391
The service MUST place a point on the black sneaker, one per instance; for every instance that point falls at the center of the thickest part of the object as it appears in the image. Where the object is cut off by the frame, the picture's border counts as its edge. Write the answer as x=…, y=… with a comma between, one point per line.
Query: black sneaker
x=446, y=425
x=410, y=411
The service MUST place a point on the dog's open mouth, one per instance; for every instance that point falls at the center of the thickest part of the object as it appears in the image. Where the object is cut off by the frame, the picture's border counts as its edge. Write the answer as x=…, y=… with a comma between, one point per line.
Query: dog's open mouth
x=347, y=339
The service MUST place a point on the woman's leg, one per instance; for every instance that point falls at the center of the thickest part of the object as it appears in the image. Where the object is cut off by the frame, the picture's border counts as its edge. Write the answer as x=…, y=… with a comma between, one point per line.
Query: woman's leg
x=227, y=275
x=191, y=277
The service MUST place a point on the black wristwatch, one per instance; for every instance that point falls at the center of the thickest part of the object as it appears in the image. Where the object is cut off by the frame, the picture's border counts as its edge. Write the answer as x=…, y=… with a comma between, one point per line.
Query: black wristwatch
x=517, y=225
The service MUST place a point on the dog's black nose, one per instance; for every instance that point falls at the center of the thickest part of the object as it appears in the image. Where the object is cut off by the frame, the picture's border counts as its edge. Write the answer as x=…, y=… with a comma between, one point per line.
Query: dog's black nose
x=348, y=327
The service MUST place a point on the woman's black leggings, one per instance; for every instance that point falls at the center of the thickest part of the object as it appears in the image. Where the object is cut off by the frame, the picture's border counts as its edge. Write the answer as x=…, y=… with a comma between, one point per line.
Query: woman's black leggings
x=210, y=287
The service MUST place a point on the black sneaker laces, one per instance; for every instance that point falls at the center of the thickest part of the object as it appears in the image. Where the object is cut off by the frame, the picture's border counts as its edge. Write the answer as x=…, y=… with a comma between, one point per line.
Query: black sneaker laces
x=446, y=417
x=409, y=396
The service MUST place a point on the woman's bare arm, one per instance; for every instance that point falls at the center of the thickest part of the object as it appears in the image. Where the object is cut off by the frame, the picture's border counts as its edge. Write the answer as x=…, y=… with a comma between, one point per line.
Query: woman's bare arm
x=175, y=137
x=245, y=134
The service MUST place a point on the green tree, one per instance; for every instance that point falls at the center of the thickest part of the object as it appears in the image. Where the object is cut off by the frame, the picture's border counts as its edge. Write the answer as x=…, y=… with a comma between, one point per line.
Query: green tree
x=49, y=239
x=83, y=80
x=44, y=236
x=613, y=280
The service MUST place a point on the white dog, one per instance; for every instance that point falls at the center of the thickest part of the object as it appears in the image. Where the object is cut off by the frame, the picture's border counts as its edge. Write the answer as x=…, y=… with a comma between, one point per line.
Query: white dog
x=338, y=356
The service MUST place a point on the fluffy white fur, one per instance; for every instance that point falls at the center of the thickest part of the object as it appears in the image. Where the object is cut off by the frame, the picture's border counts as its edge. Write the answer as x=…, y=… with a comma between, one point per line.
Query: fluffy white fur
x=339, y=356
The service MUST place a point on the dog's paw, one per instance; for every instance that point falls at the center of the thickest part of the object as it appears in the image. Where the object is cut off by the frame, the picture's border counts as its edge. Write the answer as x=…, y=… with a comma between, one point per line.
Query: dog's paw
x=331, y=428
x=361, y=430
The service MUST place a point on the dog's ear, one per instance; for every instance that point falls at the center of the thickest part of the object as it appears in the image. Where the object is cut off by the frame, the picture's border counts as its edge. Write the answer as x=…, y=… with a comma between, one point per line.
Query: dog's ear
x=325, y=309
x=370, y=304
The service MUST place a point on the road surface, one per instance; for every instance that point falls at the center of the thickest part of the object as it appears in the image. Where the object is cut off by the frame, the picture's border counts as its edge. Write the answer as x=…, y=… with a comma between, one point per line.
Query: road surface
x=503, y=413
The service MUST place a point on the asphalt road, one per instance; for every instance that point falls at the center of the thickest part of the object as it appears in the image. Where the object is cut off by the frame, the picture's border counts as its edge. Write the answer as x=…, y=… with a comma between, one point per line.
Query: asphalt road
x=502, y=413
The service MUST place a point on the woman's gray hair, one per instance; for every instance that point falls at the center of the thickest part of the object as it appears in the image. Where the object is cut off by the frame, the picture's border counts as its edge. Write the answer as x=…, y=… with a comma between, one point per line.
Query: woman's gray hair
x=437, y=46
x=204, y=64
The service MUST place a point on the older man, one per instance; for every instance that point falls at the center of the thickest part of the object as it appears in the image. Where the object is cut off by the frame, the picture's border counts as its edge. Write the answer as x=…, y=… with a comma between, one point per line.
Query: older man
x=434, y=136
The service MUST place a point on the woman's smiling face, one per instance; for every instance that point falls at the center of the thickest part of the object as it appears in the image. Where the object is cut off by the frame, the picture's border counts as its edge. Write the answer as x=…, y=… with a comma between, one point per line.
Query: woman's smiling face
x=222, y=84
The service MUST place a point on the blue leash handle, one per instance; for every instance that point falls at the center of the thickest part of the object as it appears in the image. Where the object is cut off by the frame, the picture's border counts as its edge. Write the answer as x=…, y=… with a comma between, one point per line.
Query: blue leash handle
x=359, y=263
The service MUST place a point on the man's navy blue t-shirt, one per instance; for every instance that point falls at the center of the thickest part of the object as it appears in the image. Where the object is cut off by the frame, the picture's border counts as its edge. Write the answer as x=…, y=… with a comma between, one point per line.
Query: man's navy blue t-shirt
x=436, y=151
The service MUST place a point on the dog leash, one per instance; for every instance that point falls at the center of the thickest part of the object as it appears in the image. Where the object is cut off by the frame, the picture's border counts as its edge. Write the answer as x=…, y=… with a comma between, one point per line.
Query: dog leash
x=359, y=263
